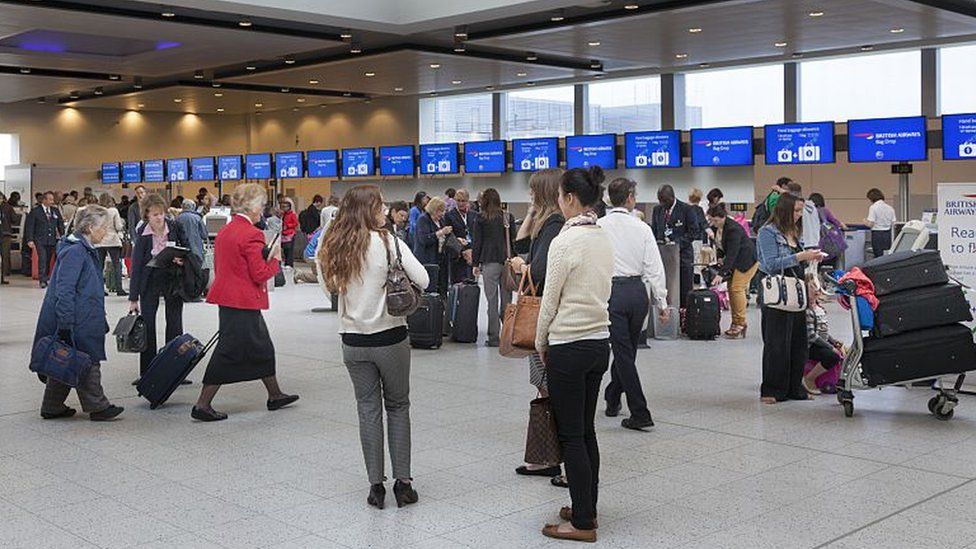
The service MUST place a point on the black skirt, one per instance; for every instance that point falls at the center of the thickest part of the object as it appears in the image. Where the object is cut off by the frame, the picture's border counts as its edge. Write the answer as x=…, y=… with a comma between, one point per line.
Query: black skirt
x=244, y=351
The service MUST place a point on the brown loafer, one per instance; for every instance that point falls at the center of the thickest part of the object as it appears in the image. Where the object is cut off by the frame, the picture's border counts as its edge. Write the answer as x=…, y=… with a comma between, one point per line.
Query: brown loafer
x=566, y=513
x=552, y=531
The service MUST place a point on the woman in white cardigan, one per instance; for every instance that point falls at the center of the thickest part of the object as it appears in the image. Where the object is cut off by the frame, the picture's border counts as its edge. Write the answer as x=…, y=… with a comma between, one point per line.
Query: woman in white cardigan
x=111, y=245
x=355, y=258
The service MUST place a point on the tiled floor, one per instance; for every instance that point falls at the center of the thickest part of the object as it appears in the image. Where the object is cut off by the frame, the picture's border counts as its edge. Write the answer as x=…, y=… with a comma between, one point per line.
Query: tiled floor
x=719, y=470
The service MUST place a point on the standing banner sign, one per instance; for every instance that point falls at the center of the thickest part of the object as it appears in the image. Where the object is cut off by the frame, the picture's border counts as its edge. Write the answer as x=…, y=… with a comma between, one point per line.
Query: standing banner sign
x=957, y=233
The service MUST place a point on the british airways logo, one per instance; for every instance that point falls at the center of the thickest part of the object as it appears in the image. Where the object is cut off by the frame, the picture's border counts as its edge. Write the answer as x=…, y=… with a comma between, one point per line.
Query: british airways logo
x=864, y=135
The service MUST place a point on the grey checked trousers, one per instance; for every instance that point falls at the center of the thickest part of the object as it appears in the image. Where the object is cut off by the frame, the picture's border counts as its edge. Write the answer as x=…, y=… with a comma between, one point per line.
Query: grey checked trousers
x=381, y=377
x=90, y=393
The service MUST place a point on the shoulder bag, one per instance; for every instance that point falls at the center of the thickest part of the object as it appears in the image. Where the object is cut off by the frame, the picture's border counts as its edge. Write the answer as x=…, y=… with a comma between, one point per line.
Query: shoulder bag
x=402, y=295
x=55, y=359
x=786, y=293
x=509, y=284
x=517, y=339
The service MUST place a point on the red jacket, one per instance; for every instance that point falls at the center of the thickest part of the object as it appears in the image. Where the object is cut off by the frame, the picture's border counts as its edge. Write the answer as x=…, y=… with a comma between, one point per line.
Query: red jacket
x=240, y=271
x=289, y=224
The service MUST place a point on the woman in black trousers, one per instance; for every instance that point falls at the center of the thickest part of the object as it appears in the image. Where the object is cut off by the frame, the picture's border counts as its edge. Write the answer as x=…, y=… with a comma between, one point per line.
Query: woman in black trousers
x=491, y=248
x=148, y=284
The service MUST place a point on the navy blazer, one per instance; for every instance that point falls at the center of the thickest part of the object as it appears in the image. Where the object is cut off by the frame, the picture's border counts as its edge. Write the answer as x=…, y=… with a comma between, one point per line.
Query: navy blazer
x=41, y=231
x=462, y=229
x=426, y=246
x=142, y=254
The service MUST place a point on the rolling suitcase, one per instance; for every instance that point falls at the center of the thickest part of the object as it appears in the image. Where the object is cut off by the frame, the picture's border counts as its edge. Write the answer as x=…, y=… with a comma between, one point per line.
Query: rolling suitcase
x=463, y=300
x=170, y=367
x=921, y=354
x=424, y=326
x=905, y=270
x=919, y=309
x=702, y=315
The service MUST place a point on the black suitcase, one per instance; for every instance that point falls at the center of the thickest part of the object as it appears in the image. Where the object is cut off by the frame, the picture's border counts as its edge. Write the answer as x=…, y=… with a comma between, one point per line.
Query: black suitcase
x=919, y=309
x=702, y=315
x=463, y=301
x=920, y=354
x=433, y=273
x=425, y=325
x=170, y=367
x=905, y=270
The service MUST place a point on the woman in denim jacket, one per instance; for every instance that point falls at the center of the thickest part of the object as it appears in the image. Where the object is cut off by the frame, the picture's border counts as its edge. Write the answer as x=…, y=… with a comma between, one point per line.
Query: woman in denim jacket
x=784, y=333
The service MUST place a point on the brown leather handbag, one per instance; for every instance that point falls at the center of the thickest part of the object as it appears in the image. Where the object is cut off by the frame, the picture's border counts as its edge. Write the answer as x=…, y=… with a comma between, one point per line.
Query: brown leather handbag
x=517, y=339
x=542, y=439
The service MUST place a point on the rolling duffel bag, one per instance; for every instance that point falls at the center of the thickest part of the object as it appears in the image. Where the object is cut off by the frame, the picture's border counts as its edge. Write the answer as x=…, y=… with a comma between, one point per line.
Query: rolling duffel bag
x=919, y=309
x=905, y=270
x=921, y=354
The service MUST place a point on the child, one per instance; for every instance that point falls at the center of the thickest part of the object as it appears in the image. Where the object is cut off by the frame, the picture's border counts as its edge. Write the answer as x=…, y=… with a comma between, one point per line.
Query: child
x=825, y=351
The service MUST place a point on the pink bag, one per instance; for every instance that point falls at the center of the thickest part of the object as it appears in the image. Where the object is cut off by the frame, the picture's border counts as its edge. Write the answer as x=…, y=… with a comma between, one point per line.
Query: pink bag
x=827, y=382
x=723, y=296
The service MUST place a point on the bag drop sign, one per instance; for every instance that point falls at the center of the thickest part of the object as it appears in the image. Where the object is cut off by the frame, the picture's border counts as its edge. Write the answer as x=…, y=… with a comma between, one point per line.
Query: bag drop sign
x=957, y=233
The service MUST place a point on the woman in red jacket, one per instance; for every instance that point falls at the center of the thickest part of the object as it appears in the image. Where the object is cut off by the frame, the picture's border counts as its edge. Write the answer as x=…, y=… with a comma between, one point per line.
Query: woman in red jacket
x=289, y=225
x=240, y=287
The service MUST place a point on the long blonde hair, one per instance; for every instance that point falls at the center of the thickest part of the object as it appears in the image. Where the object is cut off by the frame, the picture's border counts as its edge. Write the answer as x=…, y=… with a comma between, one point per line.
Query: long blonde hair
x=545, y=198
x=343, y=251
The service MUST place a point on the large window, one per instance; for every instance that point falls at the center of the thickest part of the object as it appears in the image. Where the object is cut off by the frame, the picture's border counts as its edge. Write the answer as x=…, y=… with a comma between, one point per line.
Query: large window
x=866, y=86
x=455, y=118
x=545, y=112
x=957, y=79
x=750, y=96
x=621, y=106
x=9, y=152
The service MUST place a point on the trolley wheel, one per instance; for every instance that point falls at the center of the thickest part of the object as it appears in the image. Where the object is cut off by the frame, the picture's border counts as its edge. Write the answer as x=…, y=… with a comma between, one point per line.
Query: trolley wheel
x=944, y=416
x=848, y=408
x=933, y=403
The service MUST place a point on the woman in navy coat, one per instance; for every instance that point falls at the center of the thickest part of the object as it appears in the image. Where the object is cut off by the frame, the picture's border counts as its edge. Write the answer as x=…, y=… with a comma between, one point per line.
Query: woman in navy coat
x=428, y=242
x=74, y=311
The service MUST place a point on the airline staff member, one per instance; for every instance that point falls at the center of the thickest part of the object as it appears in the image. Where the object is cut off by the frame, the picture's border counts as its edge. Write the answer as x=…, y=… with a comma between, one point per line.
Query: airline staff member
x=881, y=218
x=673, y=220
x=636, y=260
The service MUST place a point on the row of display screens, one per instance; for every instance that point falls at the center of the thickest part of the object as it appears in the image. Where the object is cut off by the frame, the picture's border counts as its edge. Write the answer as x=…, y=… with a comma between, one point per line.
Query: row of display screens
x=875, y=140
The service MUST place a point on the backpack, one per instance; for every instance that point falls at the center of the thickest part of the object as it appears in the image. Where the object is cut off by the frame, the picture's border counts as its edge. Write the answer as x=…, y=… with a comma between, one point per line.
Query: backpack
x=760, y=217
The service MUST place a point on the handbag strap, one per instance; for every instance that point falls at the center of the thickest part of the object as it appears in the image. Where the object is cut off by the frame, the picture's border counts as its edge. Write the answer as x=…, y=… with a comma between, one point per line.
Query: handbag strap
x=508, y=236
x=527, y=277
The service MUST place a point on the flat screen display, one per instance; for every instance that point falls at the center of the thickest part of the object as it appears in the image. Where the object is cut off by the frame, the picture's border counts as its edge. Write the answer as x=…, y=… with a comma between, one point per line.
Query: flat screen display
x=177, y=169
x=290, y=165
x=131, y=172
x=153, y=172
x=111, y=173
x=722, y=146
x=887, y=140
x=229, y=167
x=202, y=169
x=358, y=162
x=811, y=143
x=959, y=137
x=439, y=158
x=484, y=157
x=529, y=155
x=257, y=166
x=583, y=151
x=652, y=149
x=323, y=163
x=397, y=160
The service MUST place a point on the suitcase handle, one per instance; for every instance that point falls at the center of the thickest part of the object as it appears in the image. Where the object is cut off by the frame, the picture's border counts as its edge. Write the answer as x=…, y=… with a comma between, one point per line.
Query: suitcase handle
x=210, y=344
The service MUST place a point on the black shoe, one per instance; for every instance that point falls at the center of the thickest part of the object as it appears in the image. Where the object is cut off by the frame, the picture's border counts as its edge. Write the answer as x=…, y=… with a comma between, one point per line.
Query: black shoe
x=377, y=495
x=637, y=424
x=43, y=285
x=613, y=410
x=4, y=282
x=281, y=402
x=404, y=493
x=491, y=344
x=107, y=414
x=136, y=381
x=67, y=412
x=106, y=293
x=547, y=472
x=207, y=415
x=122, y=293
x=186, y=382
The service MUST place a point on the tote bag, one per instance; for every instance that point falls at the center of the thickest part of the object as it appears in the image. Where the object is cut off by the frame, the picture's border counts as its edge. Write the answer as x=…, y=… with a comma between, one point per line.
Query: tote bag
x=517, y=339
x=541, y=439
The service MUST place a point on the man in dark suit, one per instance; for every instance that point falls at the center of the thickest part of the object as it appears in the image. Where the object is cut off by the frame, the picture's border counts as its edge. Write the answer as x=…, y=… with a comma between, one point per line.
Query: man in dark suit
x=464, y=220
x=44, y=228
x=134, y=215
x=673, y=221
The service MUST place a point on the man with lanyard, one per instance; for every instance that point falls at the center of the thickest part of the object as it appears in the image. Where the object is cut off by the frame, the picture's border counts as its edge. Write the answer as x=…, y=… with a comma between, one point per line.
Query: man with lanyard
x=673, y=221
x=44, y=228
x=636, y=260
x=463, y=219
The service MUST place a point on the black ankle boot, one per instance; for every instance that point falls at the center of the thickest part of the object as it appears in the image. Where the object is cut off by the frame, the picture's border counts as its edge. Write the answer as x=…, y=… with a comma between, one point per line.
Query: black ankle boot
x=404, y=493
x=377, y=495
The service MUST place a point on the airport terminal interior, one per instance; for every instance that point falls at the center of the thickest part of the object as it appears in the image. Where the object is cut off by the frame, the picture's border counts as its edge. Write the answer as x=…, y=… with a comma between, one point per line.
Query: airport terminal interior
x=865, y=109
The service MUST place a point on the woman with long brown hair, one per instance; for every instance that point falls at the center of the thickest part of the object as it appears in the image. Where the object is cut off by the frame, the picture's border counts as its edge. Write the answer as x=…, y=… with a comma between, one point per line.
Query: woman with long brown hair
x=494, y=238
x=355, y=258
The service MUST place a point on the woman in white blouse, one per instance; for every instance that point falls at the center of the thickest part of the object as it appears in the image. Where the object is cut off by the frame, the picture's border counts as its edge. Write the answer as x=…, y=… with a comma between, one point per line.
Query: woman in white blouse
x=881, y=219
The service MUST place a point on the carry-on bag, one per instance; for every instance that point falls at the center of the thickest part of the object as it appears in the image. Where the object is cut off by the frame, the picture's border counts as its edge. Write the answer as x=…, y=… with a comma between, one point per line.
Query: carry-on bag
x=170, y=367
x=130, y=334
x=463, y=300
x=905, y=270
x=541, y=438
x=425, y=325
x=702, y=315
x=60, y=360
x=919, y=309
x=921, y=354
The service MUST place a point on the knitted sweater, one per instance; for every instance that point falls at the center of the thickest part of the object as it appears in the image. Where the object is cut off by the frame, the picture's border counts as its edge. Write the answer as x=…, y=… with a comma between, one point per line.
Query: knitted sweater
x=578, y=278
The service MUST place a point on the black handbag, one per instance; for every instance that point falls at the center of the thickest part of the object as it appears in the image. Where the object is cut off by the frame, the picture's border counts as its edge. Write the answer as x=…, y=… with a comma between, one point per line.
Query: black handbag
x=542, y=440
x=453, y=246
x=54, y=359
x=130, y=334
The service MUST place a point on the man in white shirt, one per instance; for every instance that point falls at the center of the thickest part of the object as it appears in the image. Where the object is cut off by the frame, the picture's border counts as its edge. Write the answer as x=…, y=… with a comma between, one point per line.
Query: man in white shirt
x=881, y=218
x=636, y=260
x=328, y=213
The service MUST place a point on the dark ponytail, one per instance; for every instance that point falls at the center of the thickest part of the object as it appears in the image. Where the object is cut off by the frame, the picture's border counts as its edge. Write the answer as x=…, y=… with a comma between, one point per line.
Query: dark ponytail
x=586, y=184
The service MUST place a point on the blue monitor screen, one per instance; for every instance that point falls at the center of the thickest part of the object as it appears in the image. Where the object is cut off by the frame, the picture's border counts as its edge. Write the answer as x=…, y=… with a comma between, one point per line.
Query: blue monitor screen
x=131, y=172
x=439, y=158
x=202, y=169
x=152, y=171
x=289, y=165
x=396, y=160
x=959, y=137
x=178, y=169
x=323, y=164
x=722, y=146
x=229, y=167
x=484, y=157
x=110, y=172
x=358, y=162
x=653, y=149
x=583, y=151
x=529, y=155
x=887, y=140
x=257, y=166
x=811, y=143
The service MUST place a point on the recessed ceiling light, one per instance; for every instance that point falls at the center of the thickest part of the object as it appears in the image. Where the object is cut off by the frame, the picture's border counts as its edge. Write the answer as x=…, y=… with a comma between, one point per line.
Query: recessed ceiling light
x=593, y=43
x=177, y=100
x=557, y=16
x=220, y=109
x=114, y=77
x=346, y=35
x=244, y=23
x=455, y=82
x=346, y=94
x=694, y=30
x=168, y=14
x=285, y=90
x=99, y=91
x=461, y=32
x=459, y=48
x=301, y=99
x=596, y=65
x=680, y=55
x=867, y=48
x=258, y=113
x=781, y=44
x=251, y=67
x=370, y=74
x=140, y=105
x=294, y=109
x=259, y=105
x=218, y=94
x=530, y=83
x=797, y=55
x=198, y=75
x=816, y=14
x=704, y=65
x=367, y=100
x=897, y=30
x=598, y=77
x=73, y=95
x=433, y=94
x=489, y=88
x=398, y=89
x=289, y=60
x=355, y=48
x=531, y=57
x=435, y=65
x=24, y=70
x=313, y=82
x=631, y=6
x=520, y=74
x=137, y=83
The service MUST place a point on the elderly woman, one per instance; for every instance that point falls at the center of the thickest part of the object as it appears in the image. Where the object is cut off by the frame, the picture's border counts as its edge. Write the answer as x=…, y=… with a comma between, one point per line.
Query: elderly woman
x=240, y=288
x=111, y=245
x=428, y=243
x=74, y=310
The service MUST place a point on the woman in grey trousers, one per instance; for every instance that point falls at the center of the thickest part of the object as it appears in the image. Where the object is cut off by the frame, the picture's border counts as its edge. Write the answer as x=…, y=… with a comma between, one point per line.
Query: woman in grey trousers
x=494, y=239
x=354, y=259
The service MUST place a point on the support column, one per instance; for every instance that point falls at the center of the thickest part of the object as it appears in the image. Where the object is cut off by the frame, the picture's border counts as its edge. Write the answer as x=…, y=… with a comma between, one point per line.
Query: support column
x=930, y=82
x=673, y=102
x=581, y=103
x=499, y=115
x=791, y=92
